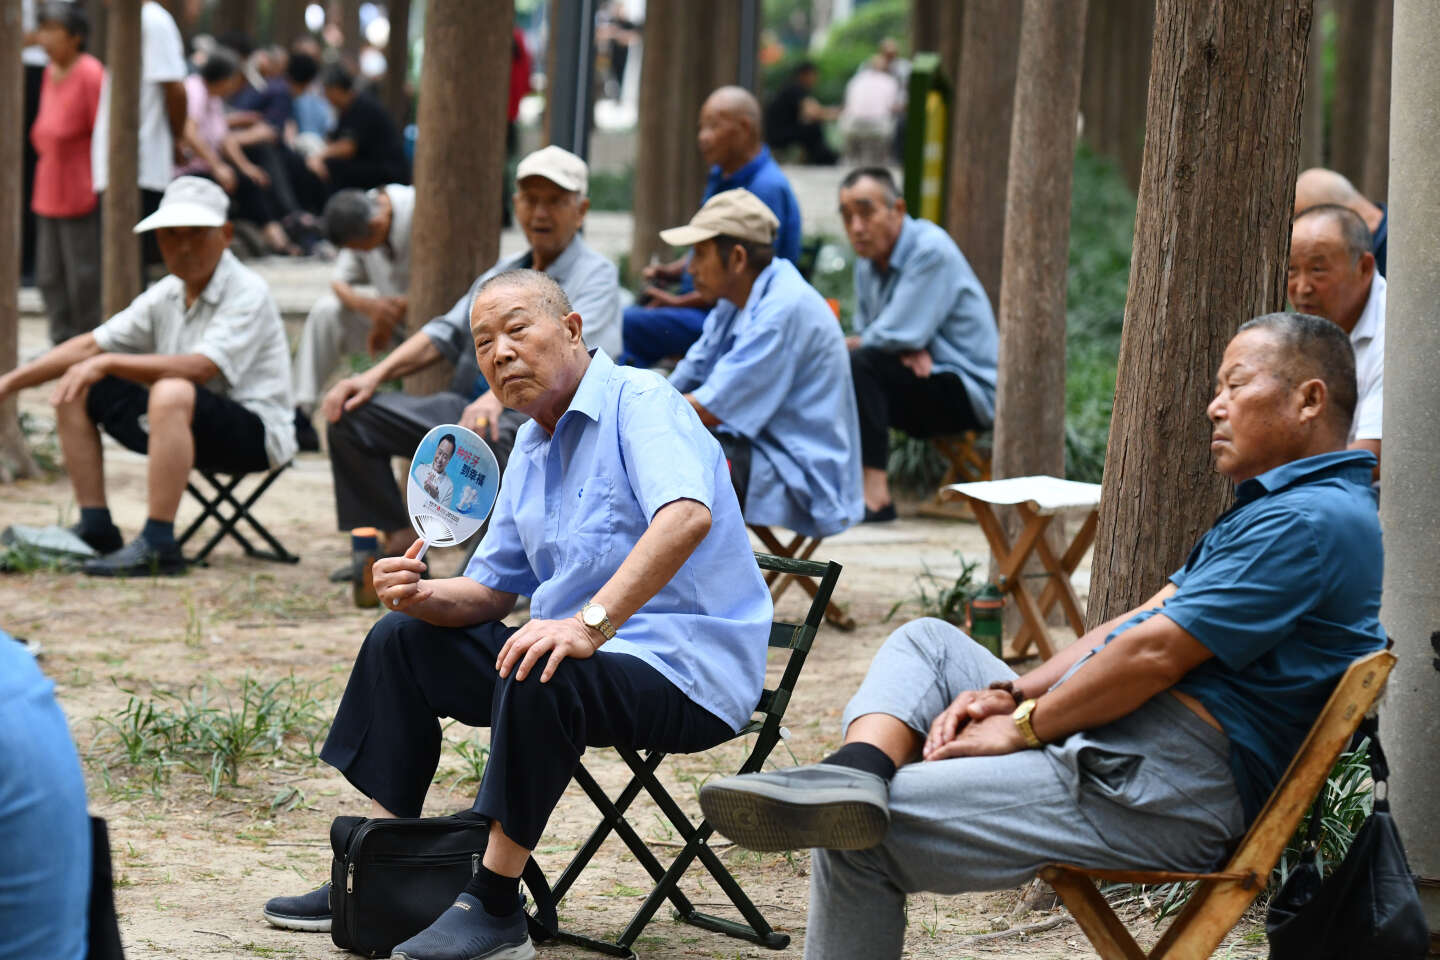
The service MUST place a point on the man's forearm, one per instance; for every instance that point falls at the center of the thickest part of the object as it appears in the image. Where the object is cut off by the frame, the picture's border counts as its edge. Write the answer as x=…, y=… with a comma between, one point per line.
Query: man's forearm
x=176, y=108
x=52, y=364
x=350, y=299
x=150, y=367
x=1043, y=677
x=416, y=353
x=706, y=417
x=461, y=602
x=675, y=531
x=338, y=150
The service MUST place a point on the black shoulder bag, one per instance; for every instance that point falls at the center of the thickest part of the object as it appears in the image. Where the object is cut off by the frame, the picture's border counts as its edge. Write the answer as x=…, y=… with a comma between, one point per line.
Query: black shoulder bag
x=1368, y=907
x=393, y=878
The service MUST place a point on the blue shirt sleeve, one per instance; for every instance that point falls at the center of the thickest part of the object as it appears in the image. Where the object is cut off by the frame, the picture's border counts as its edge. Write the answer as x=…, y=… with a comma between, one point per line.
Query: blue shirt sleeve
x=787, y=238
x=753, y=378
x=499, y=562
x=695, y=366
x=450, y=332
x=1246, y=593
x=669, y=455
x=925, y=288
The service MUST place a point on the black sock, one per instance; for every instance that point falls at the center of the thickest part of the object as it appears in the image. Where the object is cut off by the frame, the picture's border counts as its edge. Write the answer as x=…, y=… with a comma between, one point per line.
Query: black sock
x=864, y=756
x=160, y=534
x=95, y=520
x=500, y=896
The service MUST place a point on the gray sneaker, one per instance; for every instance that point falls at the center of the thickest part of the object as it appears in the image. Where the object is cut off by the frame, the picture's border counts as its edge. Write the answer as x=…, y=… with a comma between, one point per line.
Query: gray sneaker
x=821, y=805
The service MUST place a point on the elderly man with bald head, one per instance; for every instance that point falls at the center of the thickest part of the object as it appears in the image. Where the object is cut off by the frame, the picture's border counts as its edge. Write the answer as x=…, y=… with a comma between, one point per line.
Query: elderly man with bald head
x=665, y=323
x=1318, y=186
x=648, y=619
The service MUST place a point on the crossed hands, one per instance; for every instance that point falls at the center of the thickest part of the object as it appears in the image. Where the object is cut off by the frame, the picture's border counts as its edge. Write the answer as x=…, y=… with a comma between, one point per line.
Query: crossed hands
x=976, y=724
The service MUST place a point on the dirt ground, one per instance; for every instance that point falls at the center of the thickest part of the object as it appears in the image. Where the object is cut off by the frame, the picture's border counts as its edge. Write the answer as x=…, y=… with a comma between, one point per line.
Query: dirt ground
x=194, y=869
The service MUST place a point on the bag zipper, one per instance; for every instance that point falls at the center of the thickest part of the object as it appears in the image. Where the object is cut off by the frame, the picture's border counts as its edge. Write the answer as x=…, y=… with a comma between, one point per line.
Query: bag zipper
x=426, y=859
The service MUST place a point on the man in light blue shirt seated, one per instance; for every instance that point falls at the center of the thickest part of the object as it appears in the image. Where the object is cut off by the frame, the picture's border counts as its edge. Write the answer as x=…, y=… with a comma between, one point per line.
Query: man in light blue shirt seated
x=926, y=347
x=770, y=373
x=649, y=620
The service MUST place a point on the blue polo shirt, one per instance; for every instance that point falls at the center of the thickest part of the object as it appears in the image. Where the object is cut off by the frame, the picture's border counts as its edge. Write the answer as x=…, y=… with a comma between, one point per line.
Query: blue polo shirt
x=776, y=372
x=1284, y=590
x=764, y=178
x=929, y=298
x=573, y=505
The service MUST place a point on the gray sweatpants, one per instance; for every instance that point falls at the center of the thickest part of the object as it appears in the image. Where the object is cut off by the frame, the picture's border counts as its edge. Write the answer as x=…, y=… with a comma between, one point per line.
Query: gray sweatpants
x=1152, y=789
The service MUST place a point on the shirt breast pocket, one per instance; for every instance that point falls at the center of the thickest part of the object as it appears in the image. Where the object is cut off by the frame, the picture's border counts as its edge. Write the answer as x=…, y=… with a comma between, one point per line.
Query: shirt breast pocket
x=589, y=538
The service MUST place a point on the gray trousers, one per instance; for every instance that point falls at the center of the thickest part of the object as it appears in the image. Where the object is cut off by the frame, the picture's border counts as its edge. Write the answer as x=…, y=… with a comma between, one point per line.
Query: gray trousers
x=330, y=332
x=363, y=441
x=1152, y=789
x=67, y=271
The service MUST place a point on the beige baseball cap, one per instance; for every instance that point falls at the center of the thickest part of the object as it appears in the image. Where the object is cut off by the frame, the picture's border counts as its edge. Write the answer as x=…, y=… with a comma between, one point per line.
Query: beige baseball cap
x=189, y=202
x=559, y=166
x=733, y=213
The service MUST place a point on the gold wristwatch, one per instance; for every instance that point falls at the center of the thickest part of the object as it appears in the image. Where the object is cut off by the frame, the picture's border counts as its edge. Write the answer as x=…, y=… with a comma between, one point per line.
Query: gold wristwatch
x=593, y=616
x=1021, y=716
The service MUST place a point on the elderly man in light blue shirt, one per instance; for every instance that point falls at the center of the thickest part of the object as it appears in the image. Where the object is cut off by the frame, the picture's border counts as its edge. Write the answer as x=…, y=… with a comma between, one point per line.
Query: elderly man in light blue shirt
x=770, y=373
x=926, y=350
x=649, y=620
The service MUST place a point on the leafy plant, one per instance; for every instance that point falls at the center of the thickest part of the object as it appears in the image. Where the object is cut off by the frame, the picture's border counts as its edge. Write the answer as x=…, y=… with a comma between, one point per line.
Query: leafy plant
x=473, y=756
x=940, y=597
x=915, y=465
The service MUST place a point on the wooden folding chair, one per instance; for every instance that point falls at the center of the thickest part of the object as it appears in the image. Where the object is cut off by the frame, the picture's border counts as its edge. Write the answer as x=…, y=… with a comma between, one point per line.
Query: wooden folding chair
x=1220, y=898
x=800, y=547
x=215, y=505
x=795, y=639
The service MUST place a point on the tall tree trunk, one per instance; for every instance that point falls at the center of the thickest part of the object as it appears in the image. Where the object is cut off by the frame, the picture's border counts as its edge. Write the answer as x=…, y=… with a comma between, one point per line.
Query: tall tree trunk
x=980, y=136
x=460, y=157
x=939, y=26
x=1211, y=239
x=1139, y=33
x=1097, y=60
x=287, y=21
x=1411, y=605
x=1030, y=402
x=1377, y=137
x=15, y=459
x=397, y=62
x=348, y=13
x=1354, y=47
x=1312, y=118
x=235, y=16
x=120, y=260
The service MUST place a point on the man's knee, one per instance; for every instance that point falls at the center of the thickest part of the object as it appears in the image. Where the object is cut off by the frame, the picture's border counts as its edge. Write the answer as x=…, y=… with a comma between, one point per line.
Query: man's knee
x=931, y=638
x=172, y=396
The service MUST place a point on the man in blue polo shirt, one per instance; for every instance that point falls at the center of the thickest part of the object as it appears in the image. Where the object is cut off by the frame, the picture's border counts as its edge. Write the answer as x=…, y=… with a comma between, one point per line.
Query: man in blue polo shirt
x=770, y=374
x=1152, y=741
x=648, y=622
x=665, y=323
x=926, y=347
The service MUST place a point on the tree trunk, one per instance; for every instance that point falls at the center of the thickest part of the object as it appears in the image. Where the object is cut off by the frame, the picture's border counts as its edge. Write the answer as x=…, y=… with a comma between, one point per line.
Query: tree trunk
x=1312, y=118
x=120, y=260
x=1211, y=239
x=1139, y=26
x=15, y=459
x=348, y=13
x=1410, y=721
x=1030, y=402
x=980, y=136
x=287, y=21
x=939, y=26
x=1377, y=137
x=235, y=16
x=1354, y=46
x=460, y=157
x=397, y=63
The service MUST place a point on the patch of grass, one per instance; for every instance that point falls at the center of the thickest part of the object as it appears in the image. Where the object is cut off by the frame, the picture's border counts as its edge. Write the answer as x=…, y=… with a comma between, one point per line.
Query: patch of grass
x=940, y=597
x=473, y=755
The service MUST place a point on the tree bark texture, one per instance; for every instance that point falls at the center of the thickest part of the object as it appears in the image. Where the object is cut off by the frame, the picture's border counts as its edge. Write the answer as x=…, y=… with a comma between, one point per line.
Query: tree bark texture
x=120, y=248
x=15, y=459
x=939, y=26
x=689, y=50
x=1210, y=252
x=1376, y=172
x=397, y=63
x=1116, y=76
x=287, y=21
x=459, y=158
x=1030, y=401
x=980, y=136
x=235, y=16
x=1354, y=48
x=1312, y=118
x=348, y=14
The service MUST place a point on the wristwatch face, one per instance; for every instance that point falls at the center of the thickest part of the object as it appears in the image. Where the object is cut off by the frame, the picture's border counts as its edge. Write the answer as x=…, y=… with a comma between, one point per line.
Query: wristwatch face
x=593, y=615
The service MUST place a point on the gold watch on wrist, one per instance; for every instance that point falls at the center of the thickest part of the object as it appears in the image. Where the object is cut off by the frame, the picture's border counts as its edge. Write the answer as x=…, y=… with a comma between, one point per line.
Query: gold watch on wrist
x=1021, y=716
x=593, y=616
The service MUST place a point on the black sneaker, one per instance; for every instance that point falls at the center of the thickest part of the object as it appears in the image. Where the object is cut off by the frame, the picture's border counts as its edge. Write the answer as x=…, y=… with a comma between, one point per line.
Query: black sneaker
x=309, y=911
x=466, y=932
x=103, y=542
x=885, y=514
x=305, y=434
x=138, y=559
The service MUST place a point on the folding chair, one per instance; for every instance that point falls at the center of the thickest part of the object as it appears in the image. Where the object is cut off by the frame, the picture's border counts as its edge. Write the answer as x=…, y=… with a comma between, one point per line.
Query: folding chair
x=796, y=638
x=800, y=547
x=1220, y=899
x=967, y=460
x=215, y=504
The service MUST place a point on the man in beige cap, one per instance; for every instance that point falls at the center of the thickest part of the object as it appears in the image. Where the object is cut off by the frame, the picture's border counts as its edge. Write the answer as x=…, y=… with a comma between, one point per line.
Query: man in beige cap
x=195, y=372
x=368, y=428
x=770, y=375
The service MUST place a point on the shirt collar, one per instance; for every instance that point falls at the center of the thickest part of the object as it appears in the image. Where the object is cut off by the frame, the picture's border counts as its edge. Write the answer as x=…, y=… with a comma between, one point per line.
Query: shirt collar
x=214, y=291
x=745, y=174
x=560, y=269
x=904, y=244
x=1369, y=323
x=1355, y=465
x=588, y=401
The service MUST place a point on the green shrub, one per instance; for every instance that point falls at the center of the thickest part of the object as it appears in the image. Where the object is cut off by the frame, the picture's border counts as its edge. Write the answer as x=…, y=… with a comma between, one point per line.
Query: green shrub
x=847, y=46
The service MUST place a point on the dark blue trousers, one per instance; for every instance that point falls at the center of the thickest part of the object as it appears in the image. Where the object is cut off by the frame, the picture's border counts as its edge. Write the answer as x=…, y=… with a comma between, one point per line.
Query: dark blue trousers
x=650, y=334
x=409, y=674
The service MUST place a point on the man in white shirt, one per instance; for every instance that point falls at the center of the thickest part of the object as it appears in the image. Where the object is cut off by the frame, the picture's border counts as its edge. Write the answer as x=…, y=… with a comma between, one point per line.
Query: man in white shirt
x=372, y=230
x=195, y=372
x=1332, y=275
x=163, y=110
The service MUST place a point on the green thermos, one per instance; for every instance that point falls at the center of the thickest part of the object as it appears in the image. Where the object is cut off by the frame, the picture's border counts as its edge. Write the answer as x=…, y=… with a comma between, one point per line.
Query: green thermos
x=987, y=618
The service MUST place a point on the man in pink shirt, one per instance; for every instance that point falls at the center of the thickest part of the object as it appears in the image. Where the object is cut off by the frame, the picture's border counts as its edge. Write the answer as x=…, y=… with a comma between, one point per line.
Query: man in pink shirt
x=67, y=258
